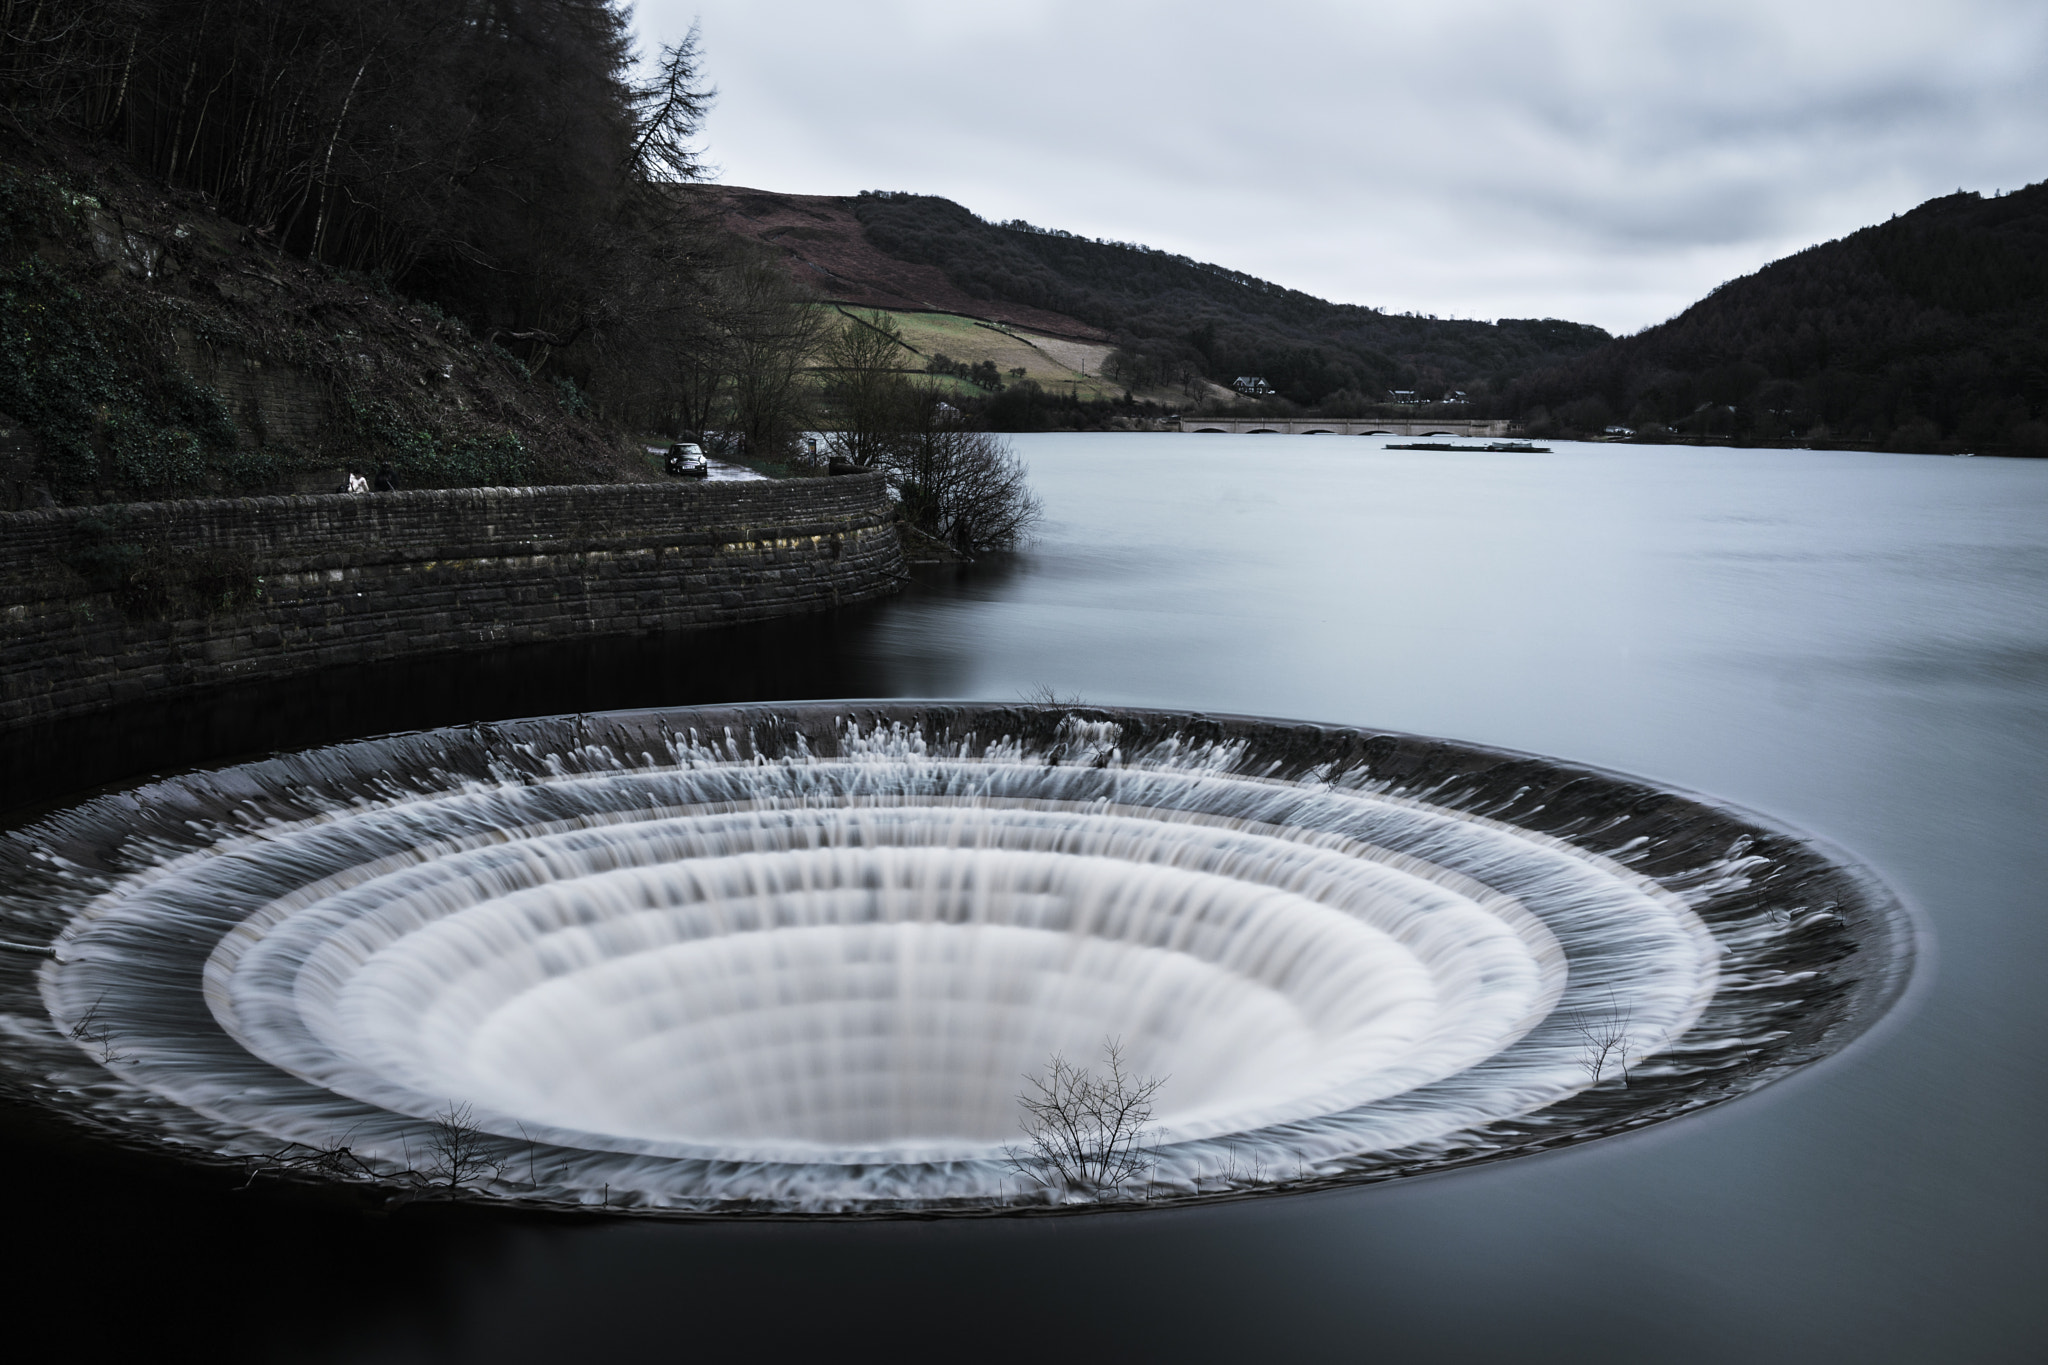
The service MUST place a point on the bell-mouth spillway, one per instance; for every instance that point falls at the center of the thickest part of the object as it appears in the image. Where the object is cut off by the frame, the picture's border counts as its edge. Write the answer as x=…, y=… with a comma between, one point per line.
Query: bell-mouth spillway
x=808, y=959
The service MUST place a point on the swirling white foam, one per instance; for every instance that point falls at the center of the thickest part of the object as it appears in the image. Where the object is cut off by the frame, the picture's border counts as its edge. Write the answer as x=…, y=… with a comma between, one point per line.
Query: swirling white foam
x=820, y=982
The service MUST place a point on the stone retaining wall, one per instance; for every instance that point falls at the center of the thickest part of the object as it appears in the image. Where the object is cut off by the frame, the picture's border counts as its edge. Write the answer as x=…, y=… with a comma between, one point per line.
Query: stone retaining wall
x=105, y=605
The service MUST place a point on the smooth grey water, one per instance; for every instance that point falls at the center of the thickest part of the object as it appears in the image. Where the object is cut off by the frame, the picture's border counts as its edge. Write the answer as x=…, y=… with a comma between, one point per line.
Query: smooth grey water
x=1854, y=643
x=1857, y=643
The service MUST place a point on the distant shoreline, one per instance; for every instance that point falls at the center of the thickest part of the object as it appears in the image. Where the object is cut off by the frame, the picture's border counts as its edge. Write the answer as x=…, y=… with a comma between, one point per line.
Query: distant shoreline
x=1991, y=450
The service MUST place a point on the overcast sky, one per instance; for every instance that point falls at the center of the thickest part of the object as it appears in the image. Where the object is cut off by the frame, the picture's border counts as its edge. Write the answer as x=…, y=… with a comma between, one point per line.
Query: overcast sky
x=1607, y=161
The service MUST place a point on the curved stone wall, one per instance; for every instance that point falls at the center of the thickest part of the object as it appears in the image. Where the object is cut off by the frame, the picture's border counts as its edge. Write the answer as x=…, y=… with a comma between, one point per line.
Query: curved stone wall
x=105, y=605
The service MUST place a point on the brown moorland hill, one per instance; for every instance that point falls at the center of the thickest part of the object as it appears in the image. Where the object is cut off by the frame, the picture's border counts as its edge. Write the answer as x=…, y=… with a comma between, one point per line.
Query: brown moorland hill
x=828, y=250
x=1178, y=324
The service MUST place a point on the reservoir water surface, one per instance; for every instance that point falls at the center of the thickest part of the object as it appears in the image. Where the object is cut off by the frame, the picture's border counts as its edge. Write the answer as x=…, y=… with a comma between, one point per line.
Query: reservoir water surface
x=1854, y=643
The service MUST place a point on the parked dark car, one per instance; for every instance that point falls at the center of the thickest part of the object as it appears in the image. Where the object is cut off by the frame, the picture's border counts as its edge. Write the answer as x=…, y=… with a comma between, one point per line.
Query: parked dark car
x=686, y=461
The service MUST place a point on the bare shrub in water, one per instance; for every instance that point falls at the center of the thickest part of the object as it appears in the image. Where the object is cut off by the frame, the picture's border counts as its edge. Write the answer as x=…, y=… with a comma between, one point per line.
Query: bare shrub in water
x=92, y=1034
x=1045, y=694
x=1086, y=1130
x=953, y=483
x=335, y=1161
x=460, y=1148
x=1604, y=1039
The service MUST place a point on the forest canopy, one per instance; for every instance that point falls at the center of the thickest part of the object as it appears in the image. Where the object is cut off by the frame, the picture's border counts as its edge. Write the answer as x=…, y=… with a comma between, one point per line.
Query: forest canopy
x=498, y=158
x=512, y=165
x=1926, y=332
x=474, y=151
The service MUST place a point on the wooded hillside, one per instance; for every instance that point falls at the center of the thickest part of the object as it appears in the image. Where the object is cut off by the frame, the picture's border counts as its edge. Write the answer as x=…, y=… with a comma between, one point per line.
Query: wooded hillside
x=232, y=231
x=1175, y=319
x=1172, y=313
x=152, y=347
x=482, y=153
x=1927, y=332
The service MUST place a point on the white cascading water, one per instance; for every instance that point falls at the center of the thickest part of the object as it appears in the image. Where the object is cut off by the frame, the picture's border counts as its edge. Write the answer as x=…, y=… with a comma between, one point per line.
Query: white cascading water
x=699, y=979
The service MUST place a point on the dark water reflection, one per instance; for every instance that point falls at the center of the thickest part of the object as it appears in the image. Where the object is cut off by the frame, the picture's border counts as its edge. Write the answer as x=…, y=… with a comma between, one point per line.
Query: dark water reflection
x=1855, y=643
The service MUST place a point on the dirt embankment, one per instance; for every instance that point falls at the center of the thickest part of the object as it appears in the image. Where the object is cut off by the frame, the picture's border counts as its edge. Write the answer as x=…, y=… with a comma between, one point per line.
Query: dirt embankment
x=151, y=348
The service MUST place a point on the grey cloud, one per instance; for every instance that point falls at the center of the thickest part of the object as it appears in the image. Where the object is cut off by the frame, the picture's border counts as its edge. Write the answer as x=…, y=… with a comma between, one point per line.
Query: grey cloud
x=1607, y=160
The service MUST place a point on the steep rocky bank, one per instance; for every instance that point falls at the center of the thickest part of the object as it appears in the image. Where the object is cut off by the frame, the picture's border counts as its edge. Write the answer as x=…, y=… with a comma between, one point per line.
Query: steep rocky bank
x=151, y=347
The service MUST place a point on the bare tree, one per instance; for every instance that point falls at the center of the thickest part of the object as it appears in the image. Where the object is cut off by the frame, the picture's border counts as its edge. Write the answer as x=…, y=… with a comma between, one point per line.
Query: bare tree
x=667, y=112
x=766, y=329
x=92, y=1032
x=864, y=378
x=1087, y=1131
x=1243, y=1170
x=460, y=1147
x=954, y=483
x=1604, y=1040
x=532, y=1179
x=688, y=357
x=335, y=1161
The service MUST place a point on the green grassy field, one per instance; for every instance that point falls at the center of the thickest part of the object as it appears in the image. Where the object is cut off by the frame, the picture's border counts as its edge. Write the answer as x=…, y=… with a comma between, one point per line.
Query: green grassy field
x=965, y=339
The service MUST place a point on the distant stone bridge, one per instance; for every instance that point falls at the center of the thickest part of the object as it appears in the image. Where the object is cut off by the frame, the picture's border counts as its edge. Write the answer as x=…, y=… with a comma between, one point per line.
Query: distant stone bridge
x=1350, y=426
